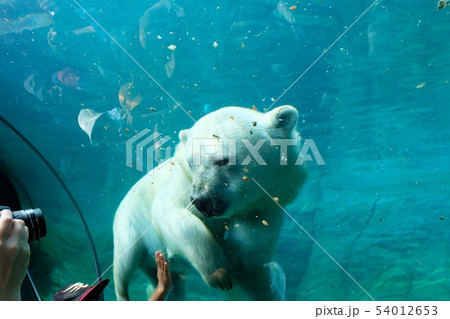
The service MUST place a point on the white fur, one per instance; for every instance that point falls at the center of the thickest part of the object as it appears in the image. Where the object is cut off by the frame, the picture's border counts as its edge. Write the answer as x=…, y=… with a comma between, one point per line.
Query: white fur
x=158, y=206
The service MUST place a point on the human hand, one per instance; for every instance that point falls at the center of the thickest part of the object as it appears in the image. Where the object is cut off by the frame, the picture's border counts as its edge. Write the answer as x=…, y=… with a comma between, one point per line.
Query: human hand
x=164, y=278
x=14, y=255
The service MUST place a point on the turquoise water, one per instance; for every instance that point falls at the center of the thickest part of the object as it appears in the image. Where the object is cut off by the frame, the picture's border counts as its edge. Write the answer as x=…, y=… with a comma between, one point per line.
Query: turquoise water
x=375, y=102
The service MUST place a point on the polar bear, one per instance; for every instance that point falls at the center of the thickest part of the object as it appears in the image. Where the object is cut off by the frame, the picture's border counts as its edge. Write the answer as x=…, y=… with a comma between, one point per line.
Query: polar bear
x=215, y=204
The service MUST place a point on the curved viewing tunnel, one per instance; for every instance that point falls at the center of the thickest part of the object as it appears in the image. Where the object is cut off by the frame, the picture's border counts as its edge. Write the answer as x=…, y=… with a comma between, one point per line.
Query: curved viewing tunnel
x=95, y=94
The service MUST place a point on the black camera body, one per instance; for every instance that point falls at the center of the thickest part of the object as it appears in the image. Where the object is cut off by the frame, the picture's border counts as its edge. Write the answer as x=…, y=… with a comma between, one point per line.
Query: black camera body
x=34, y=220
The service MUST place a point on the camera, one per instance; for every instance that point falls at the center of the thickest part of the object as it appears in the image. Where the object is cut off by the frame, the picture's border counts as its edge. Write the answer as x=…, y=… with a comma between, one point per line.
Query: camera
x=34, y=220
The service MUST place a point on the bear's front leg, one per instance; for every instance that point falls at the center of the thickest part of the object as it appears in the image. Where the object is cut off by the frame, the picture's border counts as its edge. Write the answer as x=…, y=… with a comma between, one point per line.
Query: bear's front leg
x=191, y=239
x=221, y=278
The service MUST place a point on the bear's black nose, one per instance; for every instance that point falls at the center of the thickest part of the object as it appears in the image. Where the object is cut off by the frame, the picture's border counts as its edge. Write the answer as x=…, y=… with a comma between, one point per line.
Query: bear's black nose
x=210, y=207
x=200, y=204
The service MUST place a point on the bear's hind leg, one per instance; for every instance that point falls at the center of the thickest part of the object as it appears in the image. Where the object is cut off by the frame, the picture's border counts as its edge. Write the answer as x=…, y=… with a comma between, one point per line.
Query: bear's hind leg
x=148, y=267
x=178, y=291
x=126, y=262
x=121, y=281
x=265, y=282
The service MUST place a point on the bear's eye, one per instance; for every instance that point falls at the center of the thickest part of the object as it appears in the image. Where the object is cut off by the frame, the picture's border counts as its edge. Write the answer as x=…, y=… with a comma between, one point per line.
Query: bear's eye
x=221, y=162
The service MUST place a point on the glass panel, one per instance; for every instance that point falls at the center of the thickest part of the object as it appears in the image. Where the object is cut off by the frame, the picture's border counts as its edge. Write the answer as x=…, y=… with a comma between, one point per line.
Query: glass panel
x=97, y=86
x=64, y=255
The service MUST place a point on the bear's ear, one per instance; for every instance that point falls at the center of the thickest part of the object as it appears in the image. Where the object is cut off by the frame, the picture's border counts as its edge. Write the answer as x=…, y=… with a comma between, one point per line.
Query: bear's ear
x=183, y=135
x=283, y=118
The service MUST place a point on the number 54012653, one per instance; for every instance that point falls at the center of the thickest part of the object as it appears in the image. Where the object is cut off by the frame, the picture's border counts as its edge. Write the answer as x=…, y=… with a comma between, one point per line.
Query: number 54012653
x=407, y=310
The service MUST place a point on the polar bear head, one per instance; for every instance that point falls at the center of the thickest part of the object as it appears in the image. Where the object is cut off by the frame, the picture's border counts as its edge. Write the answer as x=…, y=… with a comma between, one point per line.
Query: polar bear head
x=229, y=151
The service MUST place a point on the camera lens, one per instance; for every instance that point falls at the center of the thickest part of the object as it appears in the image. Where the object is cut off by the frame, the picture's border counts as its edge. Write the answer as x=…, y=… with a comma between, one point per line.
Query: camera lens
x=34, y=220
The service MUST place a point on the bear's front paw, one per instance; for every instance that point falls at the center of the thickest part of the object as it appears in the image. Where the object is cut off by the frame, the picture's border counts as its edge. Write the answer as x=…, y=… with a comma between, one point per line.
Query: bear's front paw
x=221, y=278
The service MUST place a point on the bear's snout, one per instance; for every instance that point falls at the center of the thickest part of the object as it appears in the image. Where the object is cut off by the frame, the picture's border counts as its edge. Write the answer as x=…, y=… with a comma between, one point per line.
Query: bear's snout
x=208, y=207
x=200, y=204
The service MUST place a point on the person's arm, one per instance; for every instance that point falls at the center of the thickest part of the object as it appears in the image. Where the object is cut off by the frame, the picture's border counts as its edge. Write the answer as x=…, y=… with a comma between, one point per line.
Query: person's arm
x=164, y=278
x=14, y=255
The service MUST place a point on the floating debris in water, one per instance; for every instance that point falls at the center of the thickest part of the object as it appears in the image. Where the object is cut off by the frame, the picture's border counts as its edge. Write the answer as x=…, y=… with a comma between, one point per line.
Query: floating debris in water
x=282, y=12
x=170, y=65
x=442, y=217
x=68, y=77
x=153, y=109
x=292, y=8
x=265, y=223
x=245, y=170
x=245, y=178
x=442, y=4
x=129, y=98
x=87, y=119
x=276, y=199
x=30, y=22
x=84, y=30
x=421, y=85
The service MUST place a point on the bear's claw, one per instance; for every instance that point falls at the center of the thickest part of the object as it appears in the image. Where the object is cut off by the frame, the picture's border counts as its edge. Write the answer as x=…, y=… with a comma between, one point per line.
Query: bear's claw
x=221, y=278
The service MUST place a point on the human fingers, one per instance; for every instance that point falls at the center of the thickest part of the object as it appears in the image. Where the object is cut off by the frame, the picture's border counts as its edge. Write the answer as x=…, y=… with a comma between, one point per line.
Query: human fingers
x=157, y=259
x=25, y=234
x=19, y=231
x=161, y=261
x=6, y=213
x=19, y=235
x=6, y=221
